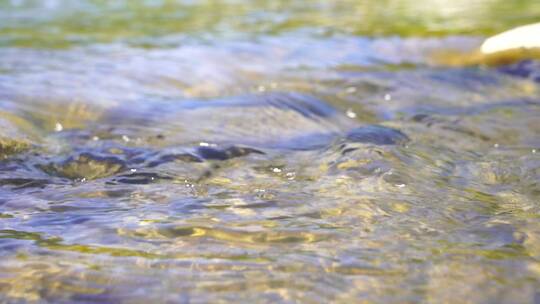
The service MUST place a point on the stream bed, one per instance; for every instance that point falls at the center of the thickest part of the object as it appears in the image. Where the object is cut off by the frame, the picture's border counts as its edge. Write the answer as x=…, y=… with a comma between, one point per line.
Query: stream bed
x=265, y=151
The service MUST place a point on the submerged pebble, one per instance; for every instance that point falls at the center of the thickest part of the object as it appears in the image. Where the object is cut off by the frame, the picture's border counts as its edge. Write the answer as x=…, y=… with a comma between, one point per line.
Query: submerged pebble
x=525, y=69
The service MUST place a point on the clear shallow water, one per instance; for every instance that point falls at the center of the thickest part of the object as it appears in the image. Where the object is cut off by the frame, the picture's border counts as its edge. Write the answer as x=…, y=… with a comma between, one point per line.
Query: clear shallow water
x=291, y=152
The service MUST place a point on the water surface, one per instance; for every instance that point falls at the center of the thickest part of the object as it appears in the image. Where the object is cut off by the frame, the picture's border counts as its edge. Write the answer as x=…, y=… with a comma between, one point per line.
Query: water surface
x=265, y=151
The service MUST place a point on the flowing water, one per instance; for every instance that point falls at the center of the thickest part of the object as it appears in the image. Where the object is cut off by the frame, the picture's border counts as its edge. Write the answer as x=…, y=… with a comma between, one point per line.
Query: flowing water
x=265, y=151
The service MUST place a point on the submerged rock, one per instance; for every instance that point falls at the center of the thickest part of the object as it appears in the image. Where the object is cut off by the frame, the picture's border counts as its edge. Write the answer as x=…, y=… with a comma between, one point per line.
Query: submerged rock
x=200, y=154
x=212, y=153
x=525, y=37
x=86, y=166
x=16, y=134
x=95, y=165
x=9, y=146
x=21, y=183
x=140, y=178
x=172, y=157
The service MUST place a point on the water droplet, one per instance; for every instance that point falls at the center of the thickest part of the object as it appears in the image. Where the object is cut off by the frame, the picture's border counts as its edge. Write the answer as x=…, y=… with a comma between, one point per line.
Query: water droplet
x=387, y=97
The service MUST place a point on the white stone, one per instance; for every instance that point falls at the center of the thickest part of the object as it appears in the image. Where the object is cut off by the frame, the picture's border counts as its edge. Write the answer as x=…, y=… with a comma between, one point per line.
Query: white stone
x=527, y=37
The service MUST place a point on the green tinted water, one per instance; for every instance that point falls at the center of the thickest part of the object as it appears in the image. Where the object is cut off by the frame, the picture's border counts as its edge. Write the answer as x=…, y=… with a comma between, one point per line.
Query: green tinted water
x=265, y=151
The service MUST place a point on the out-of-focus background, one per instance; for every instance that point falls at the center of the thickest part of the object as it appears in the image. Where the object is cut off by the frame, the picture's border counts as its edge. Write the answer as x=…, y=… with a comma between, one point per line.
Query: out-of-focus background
x=59, y=24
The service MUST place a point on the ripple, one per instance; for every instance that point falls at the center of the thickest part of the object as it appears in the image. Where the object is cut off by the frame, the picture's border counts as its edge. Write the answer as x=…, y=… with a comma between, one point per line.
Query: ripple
x=378, y=135
x=230, y=235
